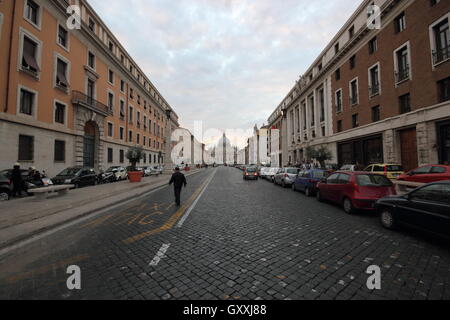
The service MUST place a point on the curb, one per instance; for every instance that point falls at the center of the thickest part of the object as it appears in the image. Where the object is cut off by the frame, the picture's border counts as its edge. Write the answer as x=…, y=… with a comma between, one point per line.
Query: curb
x=8, y=245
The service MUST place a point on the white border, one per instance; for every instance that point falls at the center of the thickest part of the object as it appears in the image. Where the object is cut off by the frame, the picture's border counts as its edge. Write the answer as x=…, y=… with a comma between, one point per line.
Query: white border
x=57, y=56
x=408, y=48
x=67, y=48
x=95, y=60
x=107, y=129
x=22, y=34
x=370, y=79
x=114, y=77
x=108, y=92
x=433, y=38
x=1, y=25
x=35, y=102
x=66, y=111
x=39, y=14
x=336, y=100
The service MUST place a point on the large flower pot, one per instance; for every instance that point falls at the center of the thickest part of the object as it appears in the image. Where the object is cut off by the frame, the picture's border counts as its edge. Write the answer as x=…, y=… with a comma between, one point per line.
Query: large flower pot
x=135, y=176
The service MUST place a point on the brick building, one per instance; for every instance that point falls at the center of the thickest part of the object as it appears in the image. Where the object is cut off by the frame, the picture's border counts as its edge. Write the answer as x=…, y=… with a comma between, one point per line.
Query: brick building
x=72, y=97
x=386, y=90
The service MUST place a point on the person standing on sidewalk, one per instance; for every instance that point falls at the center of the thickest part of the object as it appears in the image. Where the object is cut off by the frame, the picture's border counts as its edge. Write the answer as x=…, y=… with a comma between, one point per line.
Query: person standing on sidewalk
x=178, y=180
x=16, y=177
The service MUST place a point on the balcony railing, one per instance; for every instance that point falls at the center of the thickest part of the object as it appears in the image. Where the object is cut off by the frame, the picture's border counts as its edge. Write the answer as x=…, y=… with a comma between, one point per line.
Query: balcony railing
x=90, y=103
x=441, y=54
x=402, y=74
x=374, y=90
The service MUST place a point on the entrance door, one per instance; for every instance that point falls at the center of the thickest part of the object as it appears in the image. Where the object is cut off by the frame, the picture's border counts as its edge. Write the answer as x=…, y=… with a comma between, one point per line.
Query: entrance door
x=89, y=151
x=445, y=144
x=408, y=143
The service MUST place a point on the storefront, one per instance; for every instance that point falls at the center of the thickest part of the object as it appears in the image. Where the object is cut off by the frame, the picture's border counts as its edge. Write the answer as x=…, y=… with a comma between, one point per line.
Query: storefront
x=363, y=151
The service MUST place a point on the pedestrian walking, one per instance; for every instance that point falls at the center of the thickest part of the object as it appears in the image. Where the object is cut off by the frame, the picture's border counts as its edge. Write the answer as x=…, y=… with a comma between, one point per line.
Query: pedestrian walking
x=178, y=180
x=16, y=177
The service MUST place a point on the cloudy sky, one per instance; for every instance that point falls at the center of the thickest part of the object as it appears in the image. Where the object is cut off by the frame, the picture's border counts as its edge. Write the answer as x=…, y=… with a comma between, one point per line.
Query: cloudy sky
x=228, y=63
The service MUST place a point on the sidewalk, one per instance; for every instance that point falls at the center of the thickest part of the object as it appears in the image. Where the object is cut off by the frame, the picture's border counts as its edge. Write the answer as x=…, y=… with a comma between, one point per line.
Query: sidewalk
x=21, y=219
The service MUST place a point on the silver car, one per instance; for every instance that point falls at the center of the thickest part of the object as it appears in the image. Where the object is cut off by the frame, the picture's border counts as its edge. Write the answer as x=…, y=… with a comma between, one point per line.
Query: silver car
x=271, y=174
x=263, y=172
x=286, y=176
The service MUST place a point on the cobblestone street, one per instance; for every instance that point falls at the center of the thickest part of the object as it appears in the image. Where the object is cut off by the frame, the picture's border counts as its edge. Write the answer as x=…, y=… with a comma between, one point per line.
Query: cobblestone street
x=230, y=240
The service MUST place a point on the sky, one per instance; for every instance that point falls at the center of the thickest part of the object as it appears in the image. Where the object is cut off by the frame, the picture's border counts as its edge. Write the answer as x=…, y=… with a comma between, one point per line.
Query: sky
x=227, y=63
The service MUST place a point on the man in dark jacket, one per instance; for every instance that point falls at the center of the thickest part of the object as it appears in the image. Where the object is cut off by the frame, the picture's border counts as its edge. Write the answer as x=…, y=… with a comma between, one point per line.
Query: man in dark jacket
x=16, y=177
x=178, y=180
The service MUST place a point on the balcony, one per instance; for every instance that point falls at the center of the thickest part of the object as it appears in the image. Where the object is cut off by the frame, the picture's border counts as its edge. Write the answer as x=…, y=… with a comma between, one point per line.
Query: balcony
x=441, y=55
x=79, y=98
x=402, y=74
x=374, y=90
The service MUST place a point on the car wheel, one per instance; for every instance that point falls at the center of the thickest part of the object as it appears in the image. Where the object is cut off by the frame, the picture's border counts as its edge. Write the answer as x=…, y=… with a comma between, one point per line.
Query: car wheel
x=308, y=192
x=4, y=196
x=348, y=206
x=319, y=196
x=77, y=186
x=388, y=219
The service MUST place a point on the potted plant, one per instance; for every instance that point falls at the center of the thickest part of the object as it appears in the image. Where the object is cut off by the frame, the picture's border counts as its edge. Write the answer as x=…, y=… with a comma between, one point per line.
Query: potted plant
x=134, y=155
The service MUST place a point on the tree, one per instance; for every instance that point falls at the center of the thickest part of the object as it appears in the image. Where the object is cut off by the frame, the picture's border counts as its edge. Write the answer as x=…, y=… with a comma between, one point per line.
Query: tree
x=321, y=155
x=134, y=155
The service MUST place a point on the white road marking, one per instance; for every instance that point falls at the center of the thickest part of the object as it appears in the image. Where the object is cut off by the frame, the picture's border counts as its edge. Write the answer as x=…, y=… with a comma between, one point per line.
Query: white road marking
x=188, y=212
x=159, y=255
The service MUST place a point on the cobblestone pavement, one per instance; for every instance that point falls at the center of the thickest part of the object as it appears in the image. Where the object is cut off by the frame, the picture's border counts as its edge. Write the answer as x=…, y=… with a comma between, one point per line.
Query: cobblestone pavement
x=242, y=240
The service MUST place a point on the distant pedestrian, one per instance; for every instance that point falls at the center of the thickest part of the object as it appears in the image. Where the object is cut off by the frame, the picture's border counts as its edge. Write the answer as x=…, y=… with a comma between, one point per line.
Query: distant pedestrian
x=17, y=180
x=178, y=180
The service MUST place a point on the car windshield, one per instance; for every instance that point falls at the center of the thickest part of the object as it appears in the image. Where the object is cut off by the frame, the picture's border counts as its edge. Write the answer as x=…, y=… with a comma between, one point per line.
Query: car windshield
x=373, y=180
x=394, y=168
x=69, y=172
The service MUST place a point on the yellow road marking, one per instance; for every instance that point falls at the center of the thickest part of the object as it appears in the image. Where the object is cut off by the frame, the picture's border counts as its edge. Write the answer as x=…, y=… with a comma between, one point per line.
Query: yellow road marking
x=172, y=220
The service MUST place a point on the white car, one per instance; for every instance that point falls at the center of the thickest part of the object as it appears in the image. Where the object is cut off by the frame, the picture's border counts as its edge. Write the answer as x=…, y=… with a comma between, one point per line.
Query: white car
x=271, y=174
x=263, y=172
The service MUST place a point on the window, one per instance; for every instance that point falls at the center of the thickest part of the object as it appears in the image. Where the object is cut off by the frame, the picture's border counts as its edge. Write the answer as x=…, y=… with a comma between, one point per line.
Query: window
x=111, y=101
x=60, y=151
x=131, y=93
x=351, y=32
x=337, y=74
x=400, y=23
x=322, y=105
x=32, y=12
x=110, y=129
x=138, y=119
x=90, y=90
x=441, y=33
x=444, y=90
x=122, y=110
x=353, y=62
x=121, y=133
x=91, y=60
x=29, y=55
x=130, y=115
x=434, y=2
x=355, y=120
x=376, y=114
x=130, y=136
x=373, y=45
x=405, y=103
x=434, y=193
x=110, y=155
x=111, y=46
x=336, y=48
x=402, y=58
x=27, y=102
x=122, y=156
x=138, y=138
x=354, y=92
x=111, y=76
x=91, y=24
x=61, y=74
x=122, y=86
x=63, y=37
x=374, y=80
x=339, y=126
x=26, y=148
x=60, y=113
x=339, y=101
x=145, y=122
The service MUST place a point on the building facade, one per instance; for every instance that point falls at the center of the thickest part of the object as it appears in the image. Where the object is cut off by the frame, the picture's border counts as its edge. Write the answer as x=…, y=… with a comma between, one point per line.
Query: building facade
x=386, y=89
x=73, y=97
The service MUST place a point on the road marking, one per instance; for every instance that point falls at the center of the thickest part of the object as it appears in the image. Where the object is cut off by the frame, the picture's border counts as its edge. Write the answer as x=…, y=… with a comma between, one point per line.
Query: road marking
x=173, y=219
x=188, y=212
x=159, y=255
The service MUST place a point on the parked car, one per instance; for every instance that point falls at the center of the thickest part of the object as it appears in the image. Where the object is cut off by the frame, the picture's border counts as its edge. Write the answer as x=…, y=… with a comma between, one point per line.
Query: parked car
x=426, y=208
x=28, y=183
x=263, y=172
x=286, y=176
x=392, y=171
x=307, y=181
x=355, y=190
x=78, y=176
x=251, y=173
x=110, y=175
x=348, y=167
x=271, y=174
x=5, y=188
x=427, y=174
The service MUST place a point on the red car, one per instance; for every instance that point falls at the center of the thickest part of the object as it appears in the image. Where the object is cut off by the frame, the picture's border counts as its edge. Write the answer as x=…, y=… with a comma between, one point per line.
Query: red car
x=427, y=174
x=355, y=190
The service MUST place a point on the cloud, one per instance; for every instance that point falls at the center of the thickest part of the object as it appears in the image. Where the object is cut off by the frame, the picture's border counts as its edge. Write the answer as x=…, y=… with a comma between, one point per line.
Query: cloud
x=228, y=63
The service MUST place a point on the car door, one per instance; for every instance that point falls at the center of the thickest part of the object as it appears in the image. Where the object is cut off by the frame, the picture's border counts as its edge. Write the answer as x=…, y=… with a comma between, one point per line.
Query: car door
x=327, y=189
x=85, y=177
x=343, y=188
x=421, y=174
x=428, y=208
x=437, y=174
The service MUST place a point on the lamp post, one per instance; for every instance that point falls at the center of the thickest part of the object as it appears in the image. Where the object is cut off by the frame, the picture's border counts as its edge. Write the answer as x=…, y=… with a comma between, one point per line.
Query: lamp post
x=168, y=164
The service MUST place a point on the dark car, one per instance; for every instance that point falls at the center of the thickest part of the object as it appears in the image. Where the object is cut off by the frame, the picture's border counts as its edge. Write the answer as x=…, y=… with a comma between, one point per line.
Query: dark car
x=426, y=208
x=78, y=176
x=251, y=173
x=5, y=188
x=355, y=190
x=307, y=181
